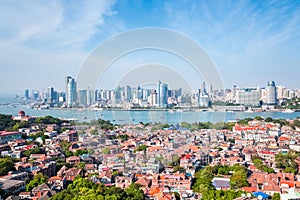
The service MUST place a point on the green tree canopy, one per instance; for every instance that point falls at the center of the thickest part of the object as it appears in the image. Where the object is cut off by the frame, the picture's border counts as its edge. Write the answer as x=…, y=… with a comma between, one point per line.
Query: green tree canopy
x=84, y=189
x=6, y=165
x=37, y=180
x=276, y=196
x=6, y=122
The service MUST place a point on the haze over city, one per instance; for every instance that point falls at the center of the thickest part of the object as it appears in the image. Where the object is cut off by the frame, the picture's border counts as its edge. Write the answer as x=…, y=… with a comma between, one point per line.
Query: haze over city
x=249, y=41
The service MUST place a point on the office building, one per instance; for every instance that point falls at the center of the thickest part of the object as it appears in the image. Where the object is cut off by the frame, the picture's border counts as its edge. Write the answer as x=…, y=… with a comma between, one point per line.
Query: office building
x=152, y=98
x=271, y=94
x=162, y=94
x=50, y=95
x=26, y=94
x=71, y=91
x=248, y=96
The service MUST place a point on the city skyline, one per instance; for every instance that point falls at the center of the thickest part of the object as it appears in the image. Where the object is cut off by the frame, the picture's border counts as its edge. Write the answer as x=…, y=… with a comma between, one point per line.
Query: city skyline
x=162, y=96
x=44, y=42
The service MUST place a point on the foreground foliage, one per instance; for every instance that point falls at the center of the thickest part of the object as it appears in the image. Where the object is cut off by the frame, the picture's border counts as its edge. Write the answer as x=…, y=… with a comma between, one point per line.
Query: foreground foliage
x=203, y=182
x=6, y=165
x=84, y=189
x=287, y=162
x=37, y=180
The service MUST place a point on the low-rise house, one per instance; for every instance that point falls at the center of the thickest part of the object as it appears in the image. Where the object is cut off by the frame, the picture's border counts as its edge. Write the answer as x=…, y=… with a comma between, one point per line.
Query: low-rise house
x=12, y=186
x=123, y=181
x=6, y=136
x=18, y=176
x=43, y=192
x=73, y=160
x=58, y=182
x=177, y=182
x=221, y=183
x=106, y=177
x=72, y=173
x=265, y=182
x=25, y=195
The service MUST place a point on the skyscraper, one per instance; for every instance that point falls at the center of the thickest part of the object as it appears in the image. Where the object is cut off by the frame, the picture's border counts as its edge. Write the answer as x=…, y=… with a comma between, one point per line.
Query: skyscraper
x=162, y=94
x=71, y=91
x=203, y=88
x=26, y=95
x=271, y=94
x=50, y=94
x=82, y=97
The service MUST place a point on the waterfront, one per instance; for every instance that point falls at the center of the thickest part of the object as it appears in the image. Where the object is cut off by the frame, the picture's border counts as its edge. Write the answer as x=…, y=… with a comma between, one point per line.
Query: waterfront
x=145, y=116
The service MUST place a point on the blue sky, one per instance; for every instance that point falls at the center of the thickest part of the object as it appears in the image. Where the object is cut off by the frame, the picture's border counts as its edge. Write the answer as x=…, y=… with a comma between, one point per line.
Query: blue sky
x=250, y=42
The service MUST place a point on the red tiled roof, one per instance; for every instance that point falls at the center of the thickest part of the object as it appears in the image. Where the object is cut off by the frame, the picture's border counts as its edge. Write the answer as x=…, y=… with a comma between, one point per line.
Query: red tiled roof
x=249, y=189
x=2, y=133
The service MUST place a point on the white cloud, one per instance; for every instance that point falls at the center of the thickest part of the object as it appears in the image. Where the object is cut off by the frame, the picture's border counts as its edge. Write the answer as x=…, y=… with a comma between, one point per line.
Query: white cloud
x=52, y=24
x=43, y=41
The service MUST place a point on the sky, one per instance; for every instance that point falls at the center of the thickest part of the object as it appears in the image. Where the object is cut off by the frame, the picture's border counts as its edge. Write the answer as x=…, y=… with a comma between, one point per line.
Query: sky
x=250, y=42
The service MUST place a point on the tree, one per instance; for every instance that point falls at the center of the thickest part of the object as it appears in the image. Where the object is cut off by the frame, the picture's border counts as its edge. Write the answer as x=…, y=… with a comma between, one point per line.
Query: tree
x=276, y=196
x=258, y=163
x=142, y=147
x=80, y=165
x=6, y=165
x=134, y=193
x=84, y=189
x=80, y=152
x=175, y=160
x=203, y=184
x=65, y=145
x=37, y=180
x=268, y=119
x=123, y=137
x=296, y=123
x=287, y=162
x=33, y=151
x=6, y=122
x=94, y=132
x=259, y=118
x=245, y=121
x=238, y=180
x=20, y=124
x=48, y=120
x=106, y=150
x=105, y=124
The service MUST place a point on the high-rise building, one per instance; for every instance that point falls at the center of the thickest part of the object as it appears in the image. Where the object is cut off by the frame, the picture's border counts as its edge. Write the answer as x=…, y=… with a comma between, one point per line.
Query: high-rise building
x=152, y=98
x=281, y=92
x=90, y=97
x=146, y=93
x=82, y=97
x=126, y=94
x=271, y=94
x=162, y=94
x=203, y=88
x=233, y=94
x=86, y=97
x=71, y=91
x=248, y=96
x=50, y=94
x=26, y=94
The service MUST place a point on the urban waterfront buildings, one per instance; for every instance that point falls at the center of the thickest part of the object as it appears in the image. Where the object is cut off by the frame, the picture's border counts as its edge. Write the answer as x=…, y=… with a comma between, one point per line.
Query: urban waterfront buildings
x=71, y=91
x=162, y=91
x=271, y=94
x=161, y=96
x=248, y=96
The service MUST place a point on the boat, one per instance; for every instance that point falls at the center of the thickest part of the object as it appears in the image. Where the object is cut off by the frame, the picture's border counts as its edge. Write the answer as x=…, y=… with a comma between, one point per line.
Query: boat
x=288, y=111
x=249, y=110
